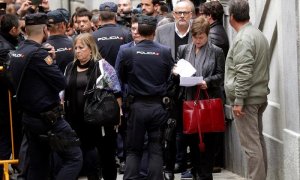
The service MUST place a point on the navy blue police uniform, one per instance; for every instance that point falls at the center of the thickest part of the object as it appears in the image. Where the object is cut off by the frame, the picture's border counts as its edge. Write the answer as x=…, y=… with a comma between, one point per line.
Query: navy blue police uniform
x=62, y=43
x=63, y=49
x=7, y=43
x=38, y=95
x=110, y=37
x=146, y=68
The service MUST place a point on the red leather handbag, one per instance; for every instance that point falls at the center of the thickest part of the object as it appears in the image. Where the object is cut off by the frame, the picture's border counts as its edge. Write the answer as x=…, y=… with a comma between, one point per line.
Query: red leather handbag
x=202, y=116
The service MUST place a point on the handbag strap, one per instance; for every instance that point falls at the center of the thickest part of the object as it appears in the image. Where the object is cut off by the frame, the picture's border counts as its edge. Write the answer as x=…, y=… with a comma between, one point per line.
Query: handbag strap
x=197, y=95
x=201, y=144
x=93, y=77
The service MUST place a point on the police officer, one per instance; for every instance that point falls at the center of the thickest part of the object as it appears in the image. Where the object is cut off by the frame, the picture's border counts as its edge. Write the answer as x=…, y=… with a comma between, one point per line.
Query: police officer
x=145, y=68
x=63, y=45
x=110, y=36
x=9, y=32
x=38, y=81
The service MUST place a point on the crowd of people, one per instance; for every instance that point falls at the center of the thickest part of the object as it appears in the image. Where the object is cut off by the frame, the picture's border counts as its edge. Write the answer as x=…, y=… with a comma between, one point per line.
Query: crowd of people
x=49, y=56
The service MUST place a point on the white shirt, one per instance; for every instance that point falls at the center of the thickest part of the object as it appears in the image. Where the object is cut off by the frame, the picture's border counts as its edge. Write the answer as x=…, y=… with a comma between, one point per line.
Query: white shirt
x=182, y=35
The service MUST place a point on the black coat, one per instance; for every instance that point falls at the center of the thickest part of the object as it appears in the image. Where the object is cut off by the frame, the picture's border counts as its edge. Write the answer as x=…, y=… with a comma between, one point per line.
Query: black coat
x=5, y=83
x=218, y=36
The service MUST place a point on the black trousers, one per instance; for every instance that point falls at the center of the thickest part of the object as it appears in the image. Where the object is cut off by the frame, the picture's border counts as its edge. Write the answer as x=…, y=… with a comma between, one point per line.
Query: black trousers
x=39, y=150
x=176, y=149
x=145, y=116
x=203, y=162
x=106, y=146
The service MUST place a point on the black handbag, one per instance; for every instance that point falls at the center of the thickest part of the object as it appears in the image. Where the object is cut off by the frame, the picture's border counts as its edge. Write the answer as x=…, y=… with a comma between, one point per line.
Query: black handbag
x=101, y=107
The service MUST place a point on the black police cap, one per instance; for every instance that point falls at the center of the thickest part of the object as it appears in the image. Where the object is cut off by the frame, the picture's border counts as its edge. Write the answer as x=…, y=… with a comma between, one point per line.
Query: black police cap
x=57, y=16
x=149, y=20
x=108, y=6
x=36, y=19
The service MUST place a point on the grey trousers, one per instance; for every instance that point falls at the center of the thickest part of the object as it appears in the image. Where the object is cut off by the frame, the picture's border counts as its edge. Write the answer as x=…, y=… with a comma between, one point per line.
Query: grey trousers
x=249, y=127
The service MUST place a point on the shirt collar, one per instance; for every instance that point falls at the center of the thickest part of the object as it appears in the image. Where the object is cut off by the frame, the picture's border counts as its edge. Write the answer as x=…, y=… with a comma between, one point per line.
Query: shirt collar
x=183, y=35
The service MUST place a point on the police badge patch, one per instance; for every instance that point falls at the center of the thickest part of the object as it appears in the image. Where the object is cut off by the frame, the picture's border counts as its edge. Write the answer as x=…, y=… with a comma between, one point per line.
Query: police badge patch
x=48, y=60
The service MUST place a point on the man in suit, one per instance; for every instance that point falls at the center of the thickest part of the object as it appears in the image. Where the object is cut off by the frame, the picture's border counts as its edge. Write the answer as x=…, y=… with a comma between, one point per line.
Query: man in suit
x=173, y=35
x=177, y=33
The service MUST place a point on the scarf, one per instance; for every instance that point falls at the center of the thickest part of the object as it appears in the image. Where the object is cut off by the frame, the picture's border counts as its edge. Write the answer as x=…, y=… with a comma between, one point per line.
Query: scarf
x=73, y=110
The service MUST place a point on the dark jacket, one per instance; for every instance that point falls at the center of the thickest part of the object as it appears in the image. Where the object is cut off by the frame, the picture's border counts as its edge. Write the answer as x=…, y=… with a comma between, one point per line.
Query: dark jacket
x=146, y=68
x=64, y=50
x=42, y=80
x=212, y=68
x=109, y=38
x=218, y=36
x=5, y=47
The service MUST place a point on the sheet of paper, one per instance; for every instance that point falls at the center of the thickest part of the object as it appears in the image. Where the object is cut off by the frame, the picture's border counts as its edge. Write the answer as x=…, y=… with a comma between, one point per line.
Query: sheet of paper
x=190, y=81
x=184, y=68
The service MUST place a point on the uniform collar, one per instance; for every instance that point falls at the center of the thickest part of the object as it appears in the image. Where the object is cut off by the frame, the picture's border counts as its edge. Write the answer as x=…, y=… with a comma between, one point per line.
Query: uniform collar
x=32, y=42
x=108, y=25
x=57, y=36
x=145, y=41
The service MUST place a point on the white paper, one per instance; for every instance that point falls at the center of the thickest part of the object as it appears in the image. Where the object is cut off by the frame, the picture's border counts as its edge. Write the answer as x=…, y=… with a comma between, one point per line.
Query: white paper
x=190, y=81
x=184, y=68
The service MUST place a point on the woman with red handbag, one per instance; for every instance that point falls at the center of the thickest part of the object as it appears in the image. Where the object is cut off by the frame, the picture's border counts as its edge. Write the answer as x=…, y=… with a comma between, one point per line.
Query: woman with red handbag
x=208, y=60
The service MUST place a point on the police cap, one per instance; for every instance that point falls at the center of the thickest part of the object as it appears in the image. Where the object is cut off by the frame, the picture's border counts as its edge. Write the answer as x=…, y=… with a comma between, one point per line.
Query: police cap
x=57, y=16
x=149, y=20
x=36, y=19
x=108, y=6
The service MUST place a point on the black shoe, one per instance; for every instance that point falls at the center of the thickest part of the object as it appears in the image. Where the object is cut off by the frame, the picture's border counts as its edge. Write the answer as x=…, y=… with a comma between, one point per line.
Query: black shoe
x=168, y=176
x=217, y=170
x=179, y=168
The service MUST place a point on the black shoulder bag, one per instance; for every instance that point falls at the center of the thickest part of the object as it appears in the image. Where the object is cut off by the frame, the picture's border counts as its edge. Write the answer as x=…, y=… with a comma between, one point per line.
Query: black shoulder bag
x=101, y=107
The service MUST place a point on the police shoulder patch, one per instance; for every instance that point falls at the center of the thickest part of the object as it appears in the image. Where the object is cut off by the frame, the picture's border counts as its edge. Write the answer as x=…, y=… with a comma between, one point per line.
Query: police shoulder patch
x=48, y=60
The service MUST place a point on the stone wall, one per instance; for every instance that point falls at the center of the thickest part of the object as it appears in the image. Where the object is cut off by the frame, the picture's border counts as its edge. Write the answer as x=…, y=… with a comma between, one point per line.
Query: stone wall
x=279, y=21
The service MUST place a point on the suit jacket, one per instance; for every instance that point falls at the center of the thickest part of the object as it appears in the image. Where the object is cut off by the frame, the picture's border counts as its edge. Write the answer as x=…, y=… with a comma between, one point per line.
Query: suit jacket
x=165, y=35
x=213, y=65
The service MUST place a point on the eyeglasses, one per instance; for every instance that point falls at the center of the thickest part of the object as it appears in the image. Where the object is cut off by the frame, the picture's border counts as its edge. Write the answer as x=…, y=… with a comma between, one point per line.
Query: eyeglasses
x=182, y=12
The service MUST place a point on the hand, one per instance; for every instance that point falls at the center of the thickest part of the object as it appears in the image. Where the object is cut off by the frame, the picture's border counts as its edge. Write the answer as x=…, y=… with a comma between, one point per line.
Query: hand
x=237, y=110
x=203, y=85
x=24, y=7
x=52, y=51
x=174, y=70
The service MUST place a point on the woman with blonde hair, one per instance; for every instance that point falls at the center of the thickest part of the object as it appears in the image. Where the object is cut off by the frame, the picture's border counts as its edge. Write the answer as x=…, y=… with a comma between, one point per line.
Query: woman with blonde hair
x=93, y=139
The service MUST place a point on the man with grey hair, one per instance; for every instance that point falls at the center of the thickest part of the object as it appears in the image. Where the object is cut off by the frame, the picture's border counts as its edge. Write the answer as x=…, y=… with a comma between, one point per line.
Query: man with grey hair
x=177, y=33
x=246, y=86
